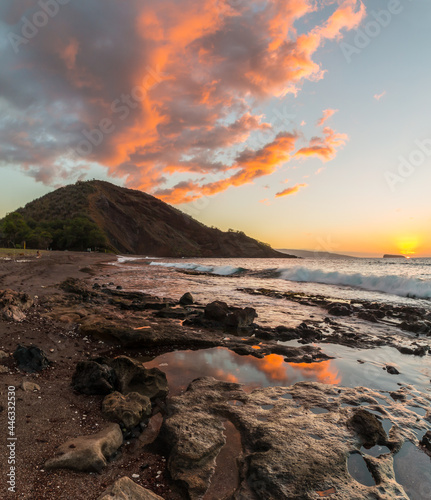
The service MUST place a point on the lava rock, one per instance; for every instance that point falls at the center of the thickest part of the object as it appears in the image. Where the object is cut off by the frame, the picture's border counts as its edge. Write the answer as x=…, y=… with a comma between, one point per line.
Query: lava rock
x=367, y=316
x=134, y=377
x=126, y=489
x=127, y=410
x=13, y=305
x=241, y=318
x=368, y=427
x=392, y=370
x=30, y=359
x=426, y=441
x=340, y=310
x=187, y=299
x=217, y=311
x=91, y=377
x=88, y=453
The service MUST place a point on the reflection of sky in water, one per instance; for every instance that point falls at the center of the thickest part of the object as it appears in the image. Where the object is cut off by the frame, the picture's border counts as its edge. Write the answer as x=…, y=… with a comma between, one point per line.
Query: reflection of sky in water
x=182, y=367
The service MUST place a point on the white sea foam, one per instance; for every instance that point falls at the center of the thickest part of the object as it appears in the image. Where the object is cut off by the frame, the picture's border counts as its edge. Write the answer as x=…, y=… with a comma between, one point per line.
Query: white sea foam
x=123, y=258
x=397, y=285
x=218, y=270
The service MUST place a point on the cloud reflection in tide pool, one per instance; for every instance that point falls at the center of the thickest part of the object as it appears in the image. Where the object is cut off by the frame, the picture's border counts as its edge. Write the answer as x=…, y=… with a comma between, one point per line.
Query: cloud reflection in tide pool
x=181, y=367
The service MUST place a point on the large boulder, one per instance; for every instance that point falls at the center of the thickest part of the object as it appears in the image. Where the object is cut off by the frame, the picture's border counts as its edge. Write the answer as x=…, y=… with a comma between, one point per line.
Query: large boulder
x=127, y=410
x=134, y=377
x=231, y=317
x=241, y=318
x=88, y=453
x=13, y=305
x=217, y=311
x=30, y=359
x=91, y=377
x=126, y=489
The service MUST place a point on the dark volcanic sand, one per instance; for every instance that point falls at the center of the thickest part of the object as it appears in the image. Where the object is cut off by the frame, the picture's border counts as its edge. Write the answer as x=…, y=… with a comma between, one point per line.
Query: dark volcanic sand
x=49, y=417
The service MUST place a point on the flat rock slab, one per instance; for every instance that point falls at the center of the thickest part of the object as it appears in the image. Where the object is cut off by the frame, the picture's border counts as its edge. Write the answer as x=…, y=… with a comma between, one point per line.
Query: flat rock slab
x=88, y=453
x=295, y=441
x=126, y=489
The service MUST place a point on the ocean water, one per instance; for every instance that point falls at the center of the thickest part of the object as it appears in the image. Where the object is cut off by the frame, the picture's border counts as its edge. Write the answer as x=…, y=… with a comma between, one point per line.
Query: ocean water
x=390, y=281
x=395, y=281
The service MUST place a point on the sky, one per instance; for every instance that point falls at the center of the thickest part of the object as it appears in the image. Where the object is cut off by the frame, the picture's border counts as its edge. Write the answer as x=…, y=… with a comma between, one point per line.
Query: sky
x=303, y=123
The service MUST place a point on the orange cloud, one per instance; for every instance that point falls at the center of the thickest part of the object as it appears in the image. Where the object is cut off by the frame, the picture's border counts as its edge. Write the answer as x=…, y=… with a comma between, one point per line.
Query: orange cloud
x=290, y=190
x=182, y=84
x=325, y=147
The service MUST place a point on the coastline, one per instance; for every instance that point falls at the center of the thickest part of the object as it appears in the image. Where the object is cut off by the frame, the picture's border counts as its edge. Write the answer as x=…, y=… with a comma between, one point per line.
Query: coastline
x=145, y=325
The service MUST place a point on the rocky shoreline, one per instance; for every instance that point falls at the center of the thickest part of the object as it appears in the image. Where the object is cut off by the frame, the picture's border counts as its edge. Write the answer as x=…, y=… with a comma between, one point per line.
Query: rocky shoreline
x=93, y=422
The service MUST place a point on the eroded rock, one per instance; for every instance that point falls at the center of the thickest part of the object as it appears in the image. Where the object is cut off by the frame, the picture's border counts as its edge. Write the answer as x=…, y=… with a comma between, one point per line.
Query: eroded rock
x=88, y=453
x=126, y=489
x=288, y=450
x=127, y=410
x=134, y=377
x=91, y=377
x=368, y=427
x=14, y=305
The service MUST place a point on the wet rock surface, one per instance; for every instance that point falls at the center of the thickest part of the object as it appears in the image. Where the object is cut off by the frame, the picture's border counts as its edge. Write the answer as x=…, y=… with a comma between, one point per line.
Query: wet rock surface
x=104, y=314
x=286, y=445
x=400, y=318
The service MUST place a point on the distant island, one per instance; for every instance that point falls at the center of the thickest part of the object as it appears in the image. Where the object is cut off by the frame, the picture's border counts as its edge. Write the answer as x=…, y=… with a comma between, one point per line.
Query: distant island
x=101, y=216
x=390, y=256
x=310, y=254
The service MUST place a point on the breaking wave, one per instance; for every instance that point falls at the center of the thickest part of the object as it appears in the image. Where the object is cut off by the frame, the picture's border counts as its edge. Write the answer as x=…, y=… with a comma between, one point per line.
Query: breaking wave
x=218, y=270
x=393, y=284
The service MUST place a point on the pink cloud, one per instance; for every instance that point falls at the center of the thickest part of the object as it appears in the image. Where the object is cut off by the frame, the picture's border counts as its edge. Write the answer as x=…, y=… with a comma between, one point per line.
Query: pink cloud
x=327, y=113
x=377, y=97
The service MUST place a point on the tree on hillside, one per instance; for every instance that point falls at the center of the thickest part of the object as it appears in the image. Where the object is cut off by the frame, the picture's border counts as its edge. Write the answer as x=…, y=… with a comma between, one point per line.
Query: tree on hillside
x=14, y=228
x=39, y=238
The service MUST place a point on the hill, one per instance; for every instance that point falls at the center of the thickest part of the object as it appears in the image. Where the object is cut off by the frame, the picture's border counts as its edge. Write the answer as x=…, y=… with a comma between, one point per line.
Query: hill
x=308, y=254
x=99, y=214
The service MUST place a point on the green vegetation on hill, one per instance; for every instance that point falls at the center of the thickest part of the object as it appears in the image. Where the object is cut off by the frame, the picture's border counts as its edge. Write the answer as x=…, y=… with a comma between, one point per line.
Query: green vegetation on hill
x=59, y=221
x=100, y=215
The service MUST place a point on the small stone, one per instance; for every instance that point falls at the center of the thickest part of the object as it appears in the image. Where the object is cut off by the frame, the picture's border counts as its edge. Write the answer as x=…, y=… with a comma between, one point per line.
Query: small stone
x=186, y=299
x=29, y=386
x=392, y=370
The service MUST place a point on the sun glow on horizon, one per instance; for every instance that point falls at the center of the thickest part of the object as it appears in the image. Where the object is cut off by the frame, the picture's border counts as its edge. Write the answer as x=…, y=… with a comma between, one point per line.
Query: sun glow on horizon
x=407, y=245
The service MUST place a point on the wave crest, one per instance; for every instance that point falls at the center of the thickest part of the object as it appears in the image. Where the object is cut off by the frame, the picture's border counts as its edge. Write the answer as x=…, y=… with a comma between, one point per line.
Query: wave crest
x=396, y=285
